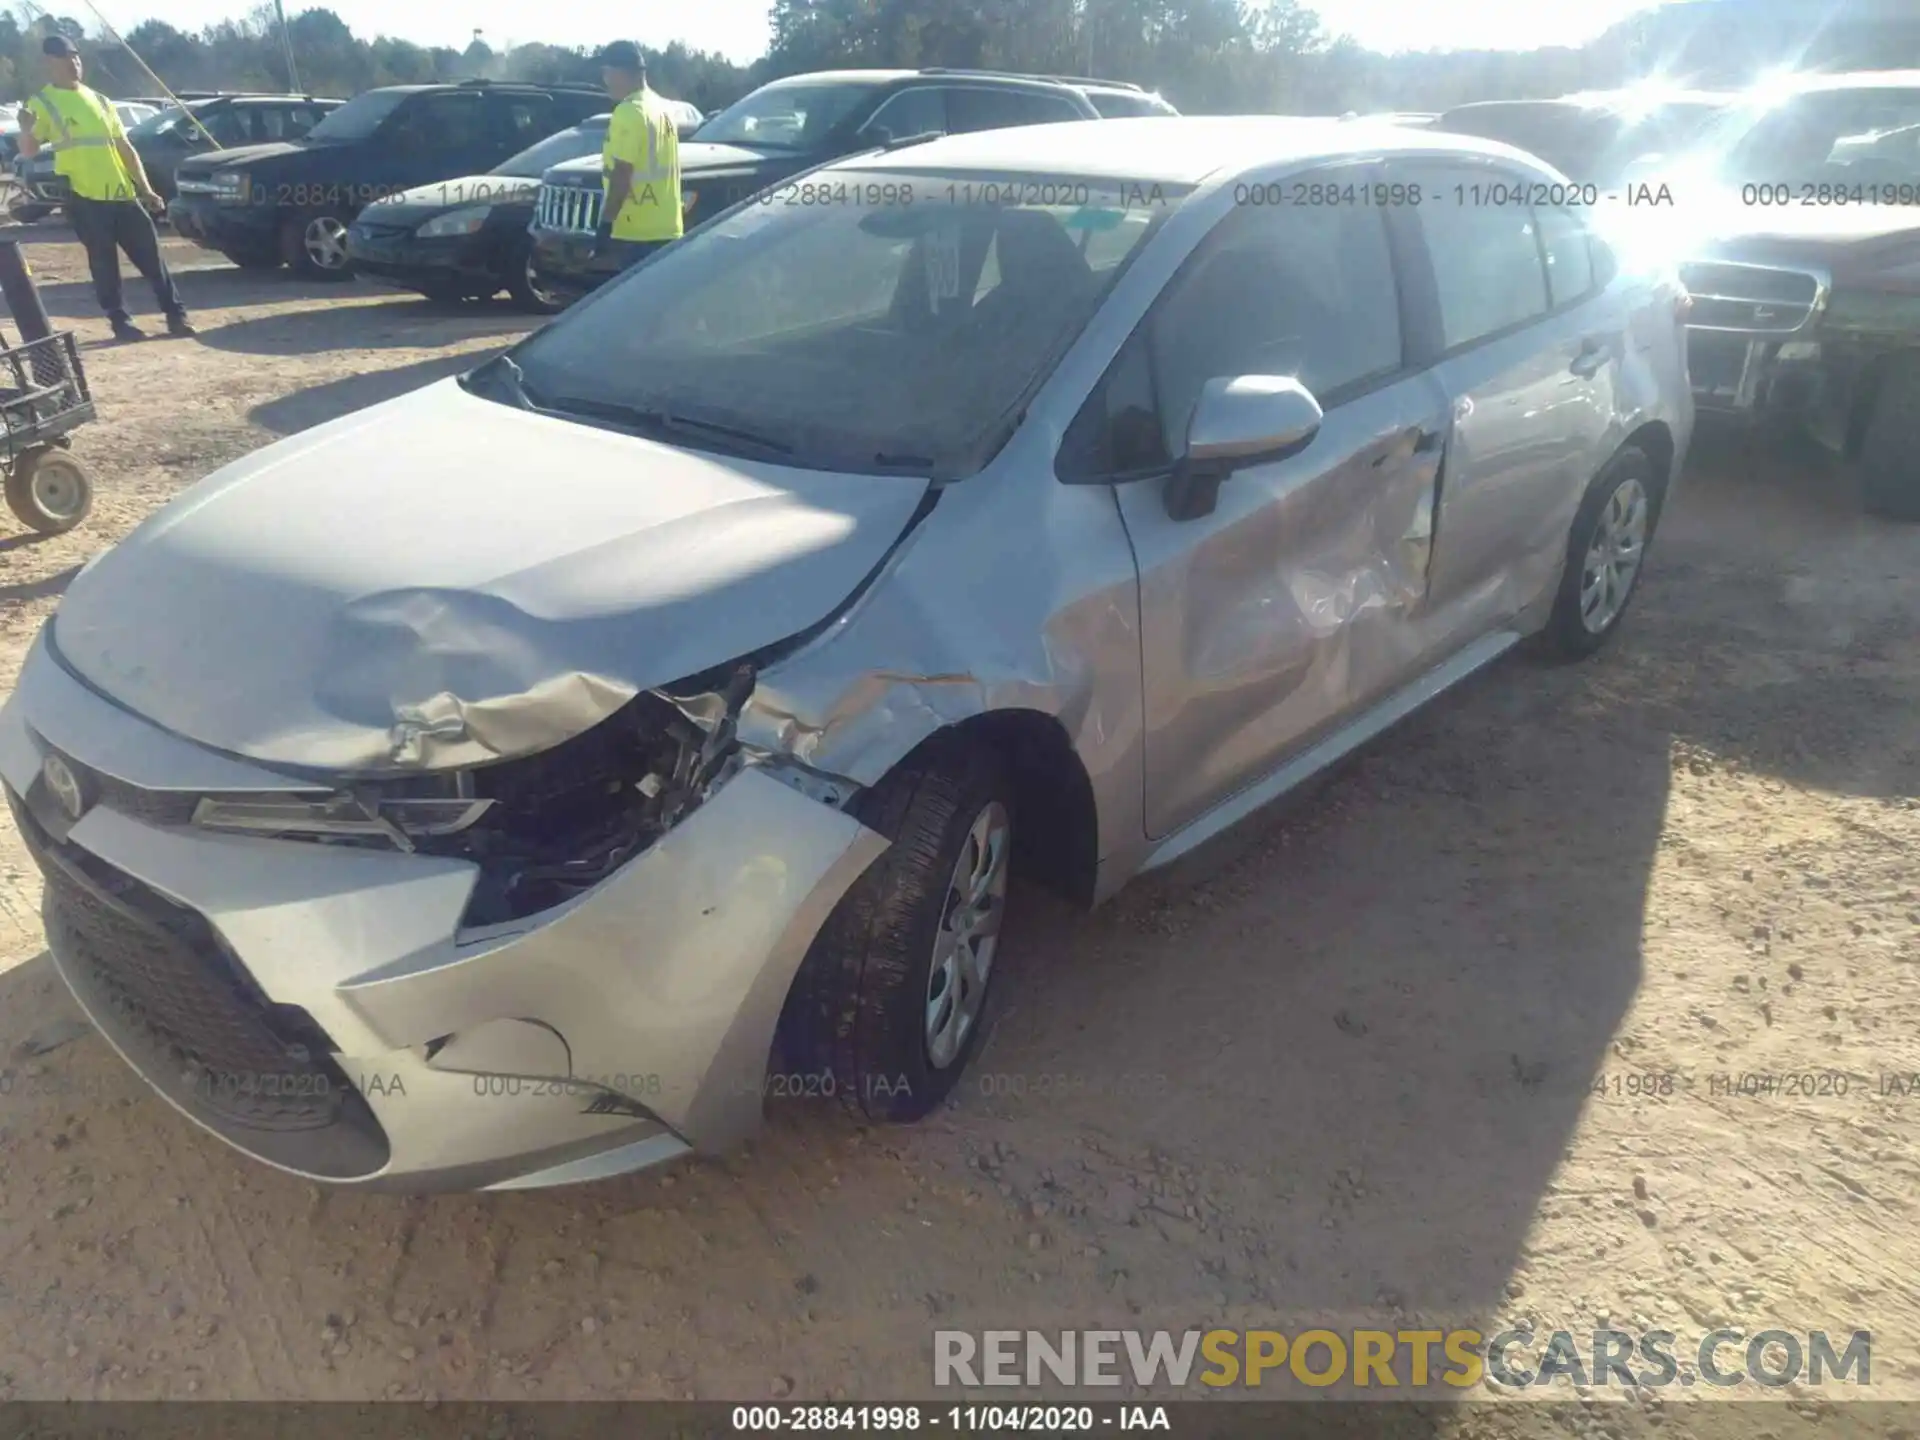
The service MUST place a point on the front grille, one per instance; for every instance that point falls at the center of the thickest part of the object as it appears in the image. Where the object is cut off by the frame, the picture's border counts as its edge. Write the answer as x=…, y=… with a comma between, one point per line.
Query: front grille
x=376, y=231
x=1751, y=299
x=573, y=208
x=157, y=979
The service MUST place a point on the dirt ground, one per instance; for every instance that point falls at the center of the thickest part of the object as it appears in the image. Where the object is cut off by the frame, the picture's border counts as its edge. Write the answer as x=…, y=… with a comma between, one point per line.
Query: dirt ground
x=1340, y=1068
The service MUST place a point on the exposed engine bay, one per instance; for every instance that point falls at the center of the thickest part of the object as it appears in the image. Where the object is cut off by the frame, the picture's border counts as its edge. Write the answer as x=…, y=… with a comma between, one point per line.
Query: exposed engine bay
x=563, y=820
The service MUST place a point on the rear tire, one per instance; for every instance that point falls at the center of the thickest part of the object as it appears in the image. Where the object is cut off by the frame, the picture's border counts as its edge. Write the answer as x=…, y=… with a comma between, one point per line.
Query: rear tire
x=527, y=290
x=49, y=490
x=1890, y=445
x=891, y=1001
x=1606, y=555
x=314, y=245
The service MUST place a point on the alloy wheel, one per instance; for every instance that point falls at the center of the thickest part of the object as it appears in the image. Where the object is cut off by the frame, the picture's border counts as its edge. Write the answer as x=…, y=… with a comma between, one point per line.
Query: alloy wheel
x=1612, y=563
x=326, y=242
x=969, y=934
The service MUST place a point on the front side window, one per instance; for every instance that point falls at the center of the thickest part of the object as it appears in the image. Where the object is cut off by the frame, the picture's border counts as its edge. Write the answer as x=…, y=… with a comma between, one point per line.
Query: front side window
x=360, y=116
x=1569, y=252
x=859, y=334
x=1486, y=261
x=1119, y=104
x=977, y=109
x=228, y=126
x=1306, y=292
x=441, y=122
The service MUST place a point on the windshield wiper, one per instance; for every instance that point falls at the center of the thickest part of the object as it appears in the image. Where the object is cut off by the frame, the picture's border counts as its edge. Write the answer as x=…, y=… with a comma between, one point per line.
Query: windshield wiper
x=657, y=420
x=502, y=376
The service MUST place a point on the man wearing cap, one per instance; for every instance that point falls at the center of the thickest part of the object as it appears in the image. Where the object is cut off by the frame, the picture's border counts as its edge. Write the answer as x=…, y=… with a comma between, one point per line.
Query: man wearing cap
x=640, y=162
x=111, y=195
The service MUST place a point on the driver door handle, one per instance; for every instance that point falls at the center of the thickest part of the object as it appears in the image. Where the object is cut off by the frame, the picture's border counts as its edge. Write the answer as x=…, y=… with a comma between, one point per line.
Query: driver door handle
x=1593, y=355
x=1417, y=440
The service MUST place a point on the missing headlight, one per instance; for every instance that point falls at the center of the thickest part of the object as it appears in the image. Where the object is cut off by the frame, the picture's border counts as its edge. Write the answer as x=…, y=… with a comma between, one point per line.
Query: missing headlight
x=562, y=821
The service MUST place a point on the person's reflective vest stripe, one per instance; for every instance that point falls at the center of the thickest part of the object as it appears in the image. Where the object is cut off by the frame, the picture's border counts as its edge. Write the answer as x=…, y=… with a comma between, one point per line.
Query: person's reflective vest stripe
x=642, y=133
x=92, y=177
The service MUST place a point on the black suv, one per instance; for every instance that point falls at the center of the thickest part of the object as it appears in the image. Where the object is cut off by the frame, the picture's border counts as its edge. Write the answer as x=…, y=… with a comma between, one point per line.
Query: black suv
x=1804, y=267
x=789, y=126
x=466, y=239
x=291, y=202
x=164, y=140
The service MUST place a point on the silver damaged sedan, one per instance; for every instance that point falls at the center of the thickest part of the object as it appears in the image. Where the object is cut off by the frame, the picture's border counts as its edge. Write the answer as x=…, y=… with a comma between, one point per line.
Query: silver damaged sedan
x=512, y=783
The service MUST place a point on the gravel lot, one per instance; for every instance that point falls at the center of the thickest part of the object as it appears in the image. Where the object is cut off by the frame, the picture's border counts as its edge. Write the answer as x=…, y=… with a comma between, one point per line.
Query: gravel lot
x=1339, y=1068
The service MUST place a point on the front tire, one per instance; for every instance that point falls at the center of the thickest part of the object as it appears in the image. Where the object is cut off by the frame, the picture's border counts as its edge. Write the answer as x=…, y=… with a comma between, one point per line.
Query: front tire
x=528, y=292
x=891, y=1001
x=49, y=490
x=1890, y=445
x=314, y=245
x=1606, y=552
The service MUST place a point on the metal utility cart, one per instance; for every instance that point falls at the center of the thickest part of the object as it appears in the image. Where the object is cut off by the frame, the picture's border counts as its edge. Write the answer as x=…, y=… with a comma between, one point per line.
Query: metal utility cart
x=43, y=399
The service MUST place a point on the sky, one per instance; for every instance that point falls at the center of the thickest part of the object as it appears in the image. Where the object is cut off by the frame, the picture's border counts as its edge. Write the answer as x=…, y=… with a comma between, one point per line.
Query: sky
x=738, y=28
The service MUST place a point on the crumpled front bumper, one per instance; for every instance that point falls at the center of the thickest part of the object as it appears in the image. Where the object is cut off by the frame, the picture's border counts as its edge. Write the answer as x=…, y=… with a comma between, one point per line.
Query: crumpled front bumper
x=628, y=1026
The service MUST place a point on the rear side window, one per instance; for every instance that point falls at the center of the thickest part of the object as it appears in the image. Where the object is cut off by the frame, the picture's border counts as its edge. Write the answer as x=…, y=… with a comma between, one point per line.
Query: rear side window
x=525, y=119
x=228, y=126
x=1487, y=265
x=974, y=109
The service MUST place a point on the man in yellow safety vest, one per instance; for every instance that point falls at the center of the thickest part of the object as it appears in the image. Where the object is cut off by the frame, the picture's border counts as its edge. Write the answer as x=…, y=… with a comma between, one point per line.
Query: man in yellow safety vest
x=640, y=162
x=111, y=195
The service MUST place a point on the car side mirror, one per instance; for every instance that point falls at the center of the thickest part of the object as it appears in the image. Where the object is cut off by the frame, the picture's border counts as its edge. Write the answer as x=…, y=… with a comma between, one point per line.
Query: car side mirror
x=877, y=135
x=1245, y=420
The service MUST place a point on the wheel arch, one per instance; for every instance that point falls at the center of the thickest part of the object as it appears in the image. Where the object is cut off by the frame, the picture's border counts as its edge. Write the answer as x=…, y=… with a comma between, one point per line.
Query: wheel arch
x=1056, y=815
x=1866, y=395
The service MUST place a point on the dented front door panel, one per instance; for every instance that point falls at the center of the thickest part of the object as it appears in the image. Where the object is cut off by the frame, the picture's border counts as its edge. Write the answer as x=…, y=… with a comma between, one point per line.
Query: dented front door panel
x=1292, y=604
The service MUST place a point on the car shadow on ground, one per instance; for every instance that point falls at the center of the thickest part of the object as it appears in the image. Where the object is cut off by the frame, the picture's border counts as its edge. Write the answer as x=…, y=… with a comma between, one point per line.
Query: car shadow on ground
x=1322, y=1072
x=318, y=404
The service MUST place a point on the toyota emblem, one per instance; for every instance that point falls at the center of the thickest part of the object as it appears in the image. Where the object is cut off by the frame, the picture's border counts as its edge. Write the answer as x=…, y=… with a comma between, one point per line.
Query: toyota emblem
x=64, y=785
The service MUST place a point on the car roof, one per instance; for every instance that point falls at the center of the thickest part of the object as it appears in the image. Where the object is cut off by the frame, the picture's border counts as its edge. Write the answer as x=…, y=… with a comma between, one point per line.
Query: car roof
x=1174, y=149
x=850, y=77
x=1859, y=80
x=1601, y=101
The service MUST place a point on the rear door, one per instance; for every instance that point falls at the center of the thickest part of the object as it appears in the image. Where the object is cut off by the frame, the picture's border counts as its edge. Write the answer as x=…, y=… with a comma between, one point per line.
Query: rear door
x=518, y=121
x=1292, y=605
x=1528, y=354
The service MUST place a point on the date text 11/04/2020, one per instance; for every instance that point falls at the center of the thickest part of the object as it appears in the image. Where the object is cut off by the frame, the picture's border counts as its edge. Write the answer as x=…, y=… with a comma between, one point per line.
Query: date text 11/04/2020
x=959, y=1419
x=1782, y=1084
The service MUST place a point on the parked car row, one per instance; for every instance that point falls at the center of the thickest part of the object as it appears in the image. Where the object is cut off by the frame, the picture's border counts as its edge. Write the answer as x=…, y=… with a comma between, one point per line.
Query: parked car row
x=795, y=124
x=439, y=188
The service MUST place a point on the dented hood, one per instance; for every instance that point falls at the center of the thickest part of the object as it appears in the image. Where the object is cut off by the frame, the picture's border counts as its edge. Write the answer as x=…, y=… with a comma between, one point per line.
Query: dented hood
x=442, y=580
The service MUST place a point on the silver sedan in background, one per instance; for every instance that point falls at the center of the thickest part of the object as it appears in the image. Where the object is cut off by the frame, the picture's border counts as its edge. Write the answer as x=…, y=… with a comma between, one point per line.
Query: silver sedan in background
x=494, y=787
